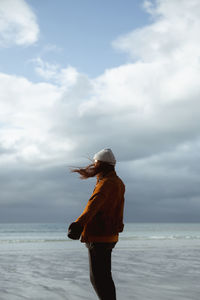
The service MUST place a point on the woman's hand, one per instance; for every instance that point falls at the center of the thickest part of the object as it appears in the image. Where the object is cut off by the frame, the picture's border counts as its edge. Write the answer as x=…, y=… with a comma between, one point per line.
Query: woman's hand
x=74, y=231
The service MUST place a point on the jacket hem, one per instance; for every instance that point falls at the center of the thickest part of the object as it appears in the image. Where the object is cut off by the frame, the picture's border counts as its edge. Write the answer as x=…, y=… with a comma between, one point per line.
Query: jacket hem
x=100, y=239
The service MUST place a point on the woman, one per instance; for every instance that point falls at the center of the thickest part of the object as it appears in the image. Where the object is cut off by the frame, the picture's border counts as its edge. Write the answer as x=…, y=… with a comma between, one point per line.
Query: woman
x=101, y=221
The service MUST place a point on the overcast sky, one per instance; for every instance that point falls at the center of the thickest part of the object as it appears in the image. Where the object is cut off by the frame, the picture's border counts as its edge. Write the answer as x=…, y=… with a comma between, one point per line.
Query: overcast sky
x=78, y=76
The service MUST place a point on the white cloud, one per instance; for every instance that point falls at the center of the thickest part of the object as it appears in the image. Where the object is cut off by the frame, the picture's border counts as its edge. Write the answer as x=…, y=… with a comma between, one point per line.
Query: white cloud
x=172, y=35
x=62, y=76
x=146, y=110
x=25, y=112
x=18, y=24
x=139, y=109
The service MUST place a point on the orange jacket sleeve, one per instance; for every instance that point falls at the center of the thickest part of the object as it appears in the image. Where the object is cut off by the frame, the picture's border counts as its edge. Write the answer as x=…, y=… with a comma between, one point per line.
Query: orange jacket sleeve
x=95, y=202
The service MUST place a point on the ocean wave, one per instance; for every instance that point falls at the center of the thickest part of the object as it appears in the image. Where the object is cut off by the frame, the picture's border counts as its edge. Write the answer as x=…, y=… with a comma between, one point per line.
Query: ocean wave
x=125, y=238
x=164, y=237
x=16, y=241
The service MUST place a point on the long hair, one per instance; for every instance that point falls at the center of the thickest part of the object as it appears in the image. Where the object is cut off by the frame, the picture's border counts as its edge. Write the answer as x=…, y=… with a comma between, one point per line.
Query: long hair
x=100, y=168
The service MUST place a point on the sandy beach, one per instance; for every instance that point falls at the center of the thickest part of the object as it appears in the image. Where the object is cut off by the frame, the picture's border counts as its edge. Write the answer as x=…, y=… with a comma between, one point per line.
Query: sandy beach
x=153, y=268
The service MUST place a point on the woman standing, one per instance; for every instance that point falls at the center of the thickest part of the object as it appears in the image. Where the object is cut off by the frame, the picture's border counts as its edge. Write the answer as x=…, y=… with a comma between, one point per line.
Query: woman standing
x=101, y=221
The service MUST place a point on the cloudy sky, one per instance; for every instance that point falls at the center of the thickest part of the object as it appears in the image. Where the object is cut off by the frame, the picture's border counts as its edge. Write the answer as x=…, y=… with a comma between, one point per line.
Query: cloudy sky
x=78, y=76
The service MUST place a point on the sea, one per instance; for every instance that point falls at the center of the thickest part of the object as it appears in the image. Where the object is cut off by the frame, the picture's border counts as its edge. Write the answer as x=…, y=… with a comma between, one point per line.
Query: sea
x=151, y=261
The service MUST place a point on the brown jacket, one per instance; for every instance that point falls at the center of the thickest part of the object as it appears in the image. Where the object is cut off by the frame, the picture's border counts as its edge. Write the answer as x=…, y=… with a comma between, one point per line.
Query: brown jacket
x=102, y=217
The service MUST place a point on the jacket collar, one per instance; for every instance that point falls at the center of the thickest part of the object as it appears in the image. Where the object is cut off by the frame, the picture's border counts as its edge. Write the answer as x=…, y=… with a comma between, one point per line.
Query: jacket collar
x=109, y=174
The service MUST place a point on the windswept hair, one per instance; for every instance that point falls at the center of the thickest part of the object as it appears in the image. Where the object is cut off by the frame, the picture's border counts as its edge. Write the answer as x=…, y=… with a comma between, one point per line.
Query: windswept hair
x=100, y=168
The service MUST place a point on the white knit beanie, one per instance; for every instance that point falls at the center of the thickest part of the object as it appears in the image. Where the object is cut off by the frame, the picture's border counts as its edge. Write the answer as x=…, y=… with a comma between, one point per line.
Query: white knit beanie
x=105, y=155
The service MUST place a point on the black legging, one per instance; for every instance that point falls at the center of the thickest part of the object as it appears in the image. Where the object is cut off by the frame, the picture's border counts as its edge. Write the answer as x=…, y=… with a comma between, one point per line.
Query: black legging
x=100, y=269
